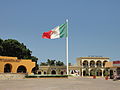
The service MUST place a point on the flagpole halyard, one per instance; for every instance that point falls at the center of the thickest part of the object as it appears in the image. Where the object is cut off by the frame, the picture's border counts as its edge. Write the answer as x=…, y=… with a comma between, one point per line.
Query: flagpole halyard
x=67, y=48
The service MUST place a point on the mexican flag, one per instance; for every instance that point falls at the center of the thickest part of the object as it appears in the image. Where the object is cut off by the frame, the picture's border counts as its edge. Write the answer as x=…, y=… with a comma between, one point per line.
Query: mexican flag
x=57, y=32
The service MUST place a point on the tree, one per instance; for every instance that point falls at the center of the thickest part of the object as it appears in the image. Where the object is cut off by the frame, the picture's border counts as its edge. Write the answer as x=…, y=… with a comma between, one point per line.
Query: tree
x=43, y=64
x=52, y=63
x=34, y=59
x=1, y=47
x=34, y=70
x=69, y=64
x=14, y=48
x=59, y=63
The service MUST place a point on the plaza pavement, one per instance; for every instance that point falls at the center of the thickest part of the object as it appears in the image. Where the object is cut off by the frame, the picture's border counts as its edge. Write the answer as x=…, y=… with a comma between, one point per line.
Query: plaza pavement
x=60, y=84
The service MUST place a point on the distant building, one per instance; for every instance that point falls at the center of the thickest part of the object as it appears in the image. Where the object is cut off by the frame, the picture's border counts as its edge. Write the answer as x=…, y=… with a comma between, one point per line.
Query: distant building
x=57, y=70
x=90, y=64
x=14, y=65
x=84, y=67
x=114, y=68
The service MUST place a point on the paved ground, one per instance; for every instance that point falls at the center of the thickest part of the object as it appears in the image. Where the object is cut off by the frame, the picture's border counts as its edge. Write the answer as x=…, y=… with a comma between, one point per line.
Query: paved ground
x=60, y=84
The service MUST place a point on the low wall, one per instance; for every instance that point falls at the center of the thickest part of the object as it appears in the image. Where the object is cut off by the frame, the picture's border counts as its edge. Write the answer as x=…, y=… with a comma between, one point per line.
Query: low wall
x=10, y=76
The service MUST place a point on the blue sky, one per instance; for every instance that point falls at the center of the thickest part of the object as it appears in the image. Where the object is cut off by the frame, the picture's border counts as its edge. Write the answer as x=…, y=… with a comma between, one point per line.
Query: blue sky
x=94, y=27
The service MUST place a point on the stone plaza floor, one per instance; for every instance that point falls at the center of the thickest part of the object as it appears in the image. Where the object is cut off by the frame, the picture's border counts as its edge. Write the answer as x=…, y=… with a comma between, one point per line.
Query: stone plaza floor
x=60, y=84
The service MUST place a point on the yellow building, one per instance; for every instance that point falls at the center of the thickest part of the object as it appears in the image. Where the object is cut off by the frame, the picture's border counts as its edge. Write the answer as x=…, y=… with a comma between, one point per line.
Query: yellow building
x=15, y=65
x=90, y=64
x=85, y=67
x=58, y=70
x=114, y=68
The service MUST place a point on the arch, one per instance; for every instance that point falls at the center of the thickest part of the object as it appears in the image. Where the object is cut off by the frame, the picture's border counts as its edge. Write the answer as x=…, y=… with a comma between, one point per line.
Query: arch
x=7, y=68
x=78, y=72
x=111, y=74
x=104, y=63
x=99, y=72
x=84, y=73
x=21, y=69
x=34, y=70
x=72, y=72
x=91, y=72
x=62, y=72
x=39, y=72
x=99, y=63
x=118, y=71
x=92, y=63
x=53, y=72
x=85, y=63
x=45, y=73
x=105, y=72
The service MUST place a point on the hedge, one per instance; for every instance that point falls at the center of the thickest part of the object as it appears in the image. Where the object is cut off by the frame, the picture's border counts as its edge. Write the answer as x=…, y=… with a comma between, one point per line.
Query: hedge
x=45, y=76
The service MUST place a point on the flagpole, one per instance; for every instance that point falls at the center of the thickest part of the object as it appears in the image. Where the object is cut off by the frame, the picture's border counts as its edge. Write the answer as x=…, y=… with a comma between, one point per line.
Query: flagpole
x=67, y=48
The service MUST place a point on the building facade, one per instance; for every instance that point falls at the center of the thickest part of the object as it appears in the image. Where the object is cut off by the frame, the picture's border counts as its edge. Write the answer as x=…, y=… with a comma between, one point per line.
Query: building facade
x=89, y=65
x=85, y=67
x=114, y=68
x=14, y=65
x=58, y=70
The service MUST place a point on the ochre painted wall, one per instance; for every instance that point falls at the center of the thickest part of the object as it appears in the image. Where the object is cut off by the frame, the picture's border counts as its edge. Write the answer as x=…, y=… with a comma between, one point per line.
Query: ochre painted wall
x=15, y=63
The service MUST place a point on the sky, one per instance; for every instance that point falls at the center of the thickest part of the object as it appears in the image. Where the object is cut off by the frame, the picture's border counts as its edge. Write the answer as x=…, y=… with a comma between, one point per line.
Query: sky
x=94, y=27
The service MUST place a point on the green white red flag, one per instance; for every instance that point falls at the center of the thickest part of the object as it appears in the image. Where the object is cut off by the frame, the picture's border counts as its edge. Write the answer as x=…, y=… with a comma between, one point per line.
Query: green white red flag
x=57, y=32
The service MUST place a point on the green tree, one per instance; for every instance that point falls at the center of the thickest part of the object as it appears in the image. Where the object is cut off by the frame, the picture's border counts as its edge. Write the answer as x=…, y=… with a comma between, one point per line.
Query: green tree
x=51, y=62
x=13, y=48
x=69, y=64
x=34, y=59
x=43, y=64
x=1, y=47
x=34, y=70
x=59, y=63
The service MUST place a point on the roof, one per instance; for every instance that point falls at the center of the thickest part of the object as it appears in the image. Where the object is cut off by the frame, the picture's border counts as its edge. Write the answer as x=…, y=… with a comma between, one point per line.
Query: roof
x=93, y=58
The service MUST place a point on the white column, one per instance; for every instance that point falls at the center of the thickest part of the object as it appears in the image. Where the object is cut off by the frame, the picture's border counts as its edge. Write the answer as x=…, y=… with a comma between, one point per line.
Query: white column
x=89, y=72
x=102, y=72
x=102, y=63
x=95, y=63
x=82, y=72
